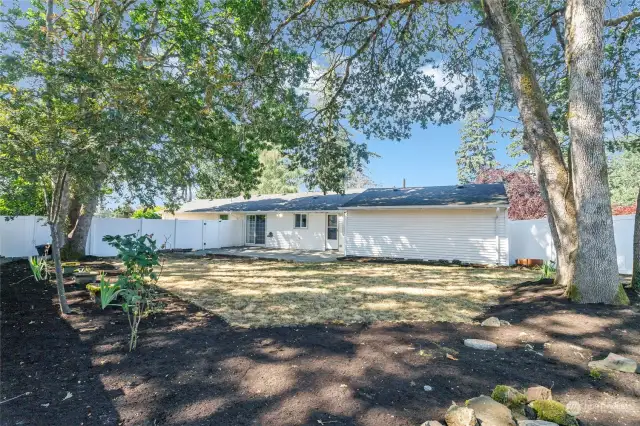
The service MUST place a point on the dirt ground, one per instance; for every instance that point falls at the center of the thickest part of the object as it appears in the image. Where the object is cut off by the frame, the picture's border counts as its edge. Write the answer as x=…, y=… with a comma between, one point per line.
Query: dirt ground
x=191, y=368
x=257, y=293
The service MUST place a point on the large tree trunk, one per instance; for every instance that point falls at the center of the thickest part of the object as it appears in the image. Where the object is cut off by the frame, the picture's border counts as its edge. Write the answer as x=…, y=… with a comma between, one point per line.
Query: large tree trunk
x=80, y=233
x=75, y=208
x=541, y=142
x=597, y=279
x=635, y=275
x=55, y=251
x=62, y=225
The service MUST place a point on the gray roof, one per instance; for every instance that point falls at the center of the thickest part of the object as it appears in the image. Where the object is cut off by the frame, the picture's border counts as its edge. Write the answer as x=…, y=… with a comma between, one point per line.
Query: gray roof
x=469, y=194
x=486, y=194
x=301, y=201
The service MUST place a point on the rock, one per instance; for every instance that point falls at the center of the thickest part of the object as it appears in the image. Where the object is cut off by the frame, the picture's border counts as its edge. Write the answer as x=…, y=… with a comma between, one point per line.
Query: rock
x=427, y=388
x=431, y=423
x=553, y=411
x=490, y=412
x=508, y=396
x=573, y=408
x=536, y=423
x=538, y=393
x=460, y=416
x=483, y=345
x=529, y=413
x=616, y=362
x=504, y=323
x=491, y=322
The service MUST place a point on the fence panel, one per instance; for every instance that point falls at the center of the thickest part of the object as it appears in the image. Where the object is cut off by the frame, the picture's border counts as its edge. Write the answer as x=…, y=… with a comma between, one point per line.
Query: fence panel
x=532, y=239
x=20, y=235
x=211, y=234
x=163, y=231
x=189, y=234
x=623, y=230
x=101, y=226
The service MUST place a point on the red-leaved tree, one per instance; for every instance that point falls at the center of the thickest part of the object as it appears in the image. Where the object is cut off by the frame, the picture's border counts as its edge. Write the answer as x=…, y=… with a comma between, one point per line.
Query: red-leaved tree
x=621, y=210
x=525, y=201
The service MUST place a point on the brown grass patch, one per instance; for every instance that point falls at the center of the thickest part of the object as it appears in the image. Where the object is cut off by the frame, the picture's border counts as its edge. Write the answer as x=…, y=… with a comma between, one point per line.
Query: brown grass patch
x=255, y=293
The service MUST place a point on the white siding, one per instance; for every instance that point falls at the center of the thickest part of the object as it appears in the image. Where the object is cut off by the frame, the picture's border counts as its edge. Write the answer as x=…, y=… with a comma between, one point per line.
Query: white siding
x=469, y=235
x=285, y=236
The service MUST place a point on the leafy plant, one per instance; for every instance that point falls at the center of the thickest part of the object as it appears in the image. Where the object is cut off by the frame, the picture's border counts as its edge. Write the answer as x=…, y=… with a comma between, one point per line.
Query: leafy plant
x=38, y=266
x=148, y=213
x=140, y=256
x=548, y=270
x=595, y=374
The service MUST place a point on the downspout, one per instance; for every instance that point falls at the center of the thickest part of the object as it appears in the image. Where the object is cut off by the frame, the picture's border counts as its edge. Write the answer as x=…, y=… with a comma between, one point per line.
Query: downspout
x=344, y=230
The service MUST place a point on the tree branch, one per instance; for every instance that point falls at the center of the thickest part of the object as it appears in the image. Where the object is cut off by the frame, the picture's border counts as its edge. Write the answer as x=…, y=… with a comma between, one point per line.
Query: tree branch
x=624, y=18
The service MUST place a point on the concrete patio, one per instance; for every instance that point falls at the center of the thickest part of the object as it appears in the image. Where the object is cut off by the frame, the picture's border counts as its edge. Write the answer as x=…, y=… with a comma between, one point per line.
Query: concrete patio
x=306, y=256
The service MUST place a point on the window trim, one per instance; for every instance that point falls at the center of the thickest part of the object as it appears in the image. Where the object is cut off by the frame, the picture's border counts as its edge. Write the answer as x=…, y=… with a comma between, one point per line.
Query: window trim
x=295, y=221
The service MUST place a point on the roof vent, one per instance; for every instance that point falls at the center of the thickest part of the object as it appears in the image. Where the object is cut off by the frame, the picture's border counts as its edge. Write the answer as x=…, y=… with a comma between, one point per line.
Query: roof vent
x=459, y=186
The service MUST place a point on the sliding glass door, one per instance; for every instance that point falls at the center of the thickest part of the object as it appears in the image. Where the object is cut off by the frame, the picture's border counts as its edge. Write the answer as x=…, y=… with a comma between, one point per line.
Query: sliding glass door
x=256, y=227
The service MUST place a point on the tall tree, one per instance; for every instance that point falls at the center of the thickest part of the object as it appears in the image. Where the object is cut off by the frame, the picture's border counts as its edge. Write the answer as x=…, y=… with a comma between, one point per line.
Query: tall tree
x=624, y=177
x=279, y=175
x=625, y=190
x=597, y=276
x=506, y=55
x=523, y=191
x=136, y=95
x=360, y=178
x=475, y=153
x=145, y=84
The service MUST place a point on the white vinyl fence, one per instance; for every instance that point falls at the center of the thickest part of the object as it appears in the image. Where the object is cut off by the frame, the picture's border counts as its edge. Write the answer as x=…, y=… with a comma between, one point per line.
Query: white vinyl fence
x=18, y=237
x=532, y=239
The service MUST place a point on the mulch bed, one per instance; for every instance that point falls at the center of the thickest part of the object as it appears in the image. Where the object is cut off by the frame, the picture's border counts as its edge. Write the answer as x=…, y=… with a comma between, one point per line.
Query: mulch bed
x=190, y=368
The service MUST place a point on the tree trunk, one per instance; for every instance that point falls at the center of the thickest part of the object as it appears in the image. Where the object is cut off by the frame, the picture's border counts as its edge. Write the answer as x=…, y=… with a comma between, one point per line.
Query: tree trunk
x=55, y=251
x=61, y=223
x=597, y=279
x=541, y=142
x=635, y=275
x=75, y=208
x=80, y=233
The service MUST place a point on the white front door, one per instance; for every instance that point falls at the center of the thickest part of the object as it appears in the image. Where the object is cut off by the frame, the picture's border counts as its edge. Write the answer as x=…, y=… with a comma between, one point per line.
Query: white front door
x=332, y=232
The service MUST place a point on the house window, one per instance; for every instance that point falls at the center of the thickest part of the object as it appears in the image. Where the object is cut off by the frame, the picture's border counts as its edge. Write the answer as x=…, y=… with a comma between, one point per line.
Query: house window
x=301, y=221
x=224, y=217
x=332, y=227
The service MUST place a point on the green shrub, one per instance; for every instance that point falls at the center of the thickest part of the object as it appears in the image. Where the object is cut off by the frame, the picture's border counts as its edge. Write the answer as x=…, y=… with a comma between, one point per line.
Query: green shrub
x=38, y=265
x=140, y=256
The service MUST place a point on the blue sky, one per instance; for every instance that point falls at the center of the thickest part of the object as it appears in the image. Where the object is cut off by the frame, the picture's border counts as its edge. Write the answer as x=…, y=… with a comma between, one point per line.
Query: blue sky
x=428, y=158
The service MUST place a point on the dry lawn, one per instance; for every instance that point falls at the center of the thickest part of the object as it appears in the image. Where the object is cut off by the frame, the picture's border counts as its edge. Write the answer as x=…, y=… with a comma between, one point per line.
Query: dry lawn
x=256, y=293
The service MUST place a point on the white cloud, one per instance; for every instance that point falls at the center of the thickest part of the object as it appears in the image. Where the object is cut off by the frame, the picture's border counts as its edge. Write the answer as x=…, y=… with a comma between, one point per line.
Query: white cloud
x=312, y=87
x=453, y=83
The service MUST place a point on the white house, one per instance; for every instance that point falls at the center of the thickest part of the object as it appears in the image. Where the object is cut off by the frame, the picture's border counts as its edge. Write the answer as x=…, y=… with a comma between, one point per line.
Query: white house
x=458, y=222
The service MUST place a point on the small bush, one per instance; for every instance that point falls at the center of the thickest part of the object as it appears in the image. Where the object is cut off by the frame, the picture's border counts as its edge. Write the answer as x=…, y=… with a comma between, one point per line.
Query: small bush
x=595, y=374
x=140, y=256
